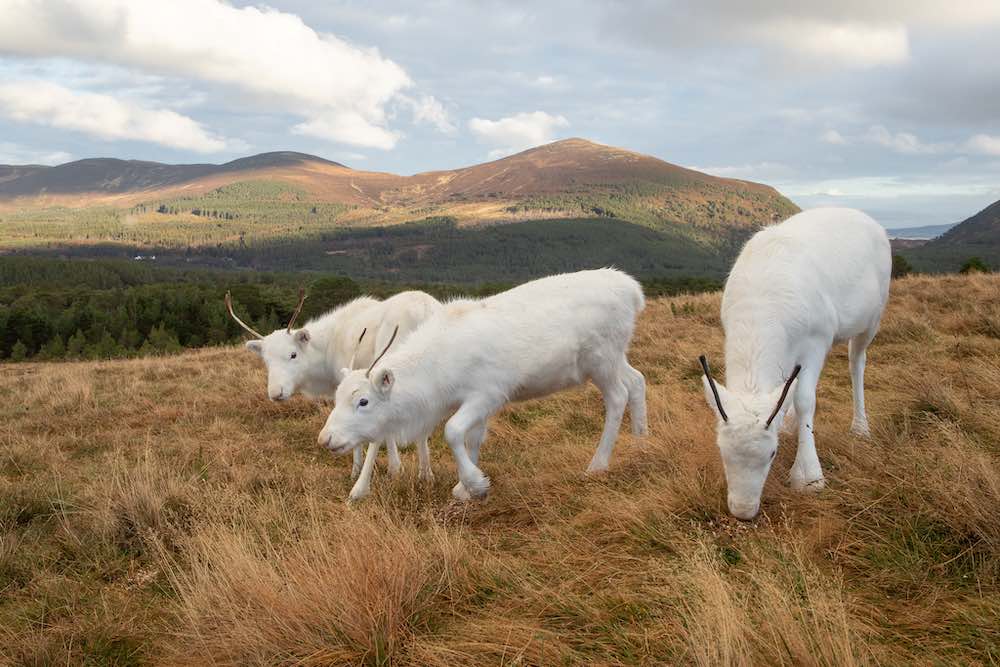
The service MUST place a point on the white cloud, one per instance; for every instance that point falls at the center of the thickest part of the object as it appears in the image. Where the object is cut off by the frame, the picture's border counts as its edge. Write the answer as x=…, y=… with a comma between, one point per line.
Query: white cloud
x=103, y=116
x=517, y=132
x=760, y=171
x=266, y=57
x=834, y=137
x=876, y=187
x=348, y=127
x=903, y=142
x=849, y=44
x=984, y=144
x=857, y=34
x=11, y=153
x=429, y=110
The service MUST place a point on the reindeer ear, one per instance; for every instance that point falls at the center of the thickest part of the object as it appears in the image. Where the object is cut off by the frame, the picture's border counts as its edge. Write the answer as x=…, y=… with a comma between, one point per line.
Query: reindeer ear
x=344, y=372
x=302, y=336
x=384, y=381
x=254, y=346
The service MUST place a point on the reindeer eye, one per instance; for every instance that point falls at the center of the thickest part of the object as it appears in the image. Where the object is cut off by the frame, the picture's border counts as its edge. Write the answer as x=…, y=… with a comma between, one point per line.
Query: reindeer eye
x=363, y=402
x=294, y=354
x=773, y=453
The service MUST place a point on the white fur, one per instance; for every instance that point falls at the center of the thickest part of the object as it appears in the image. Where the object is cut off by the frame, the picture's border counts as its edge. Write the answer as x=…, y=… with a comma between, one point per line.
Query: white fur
x=820, y=277
x=326, y=345
x=477, y=355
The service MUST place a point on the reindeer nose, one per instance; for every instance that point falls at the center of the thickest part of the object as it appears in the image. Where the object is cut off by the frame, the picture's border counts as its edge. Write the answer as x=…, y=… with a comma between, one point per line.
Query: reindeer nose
x=324, y=439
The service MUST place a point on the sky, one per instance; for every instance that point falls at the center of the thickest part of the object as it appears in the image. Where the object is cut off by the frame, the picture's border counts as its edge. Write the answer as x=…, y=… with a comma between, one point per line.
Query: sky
x=891, y=106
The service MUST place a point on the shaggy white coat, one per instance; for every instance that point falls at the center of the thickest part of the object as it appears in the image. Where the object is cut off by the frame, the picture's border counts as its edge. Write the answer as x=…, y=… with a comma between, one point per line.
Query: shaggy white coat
x=798, y=287
x=477, y=355
x=311, y=360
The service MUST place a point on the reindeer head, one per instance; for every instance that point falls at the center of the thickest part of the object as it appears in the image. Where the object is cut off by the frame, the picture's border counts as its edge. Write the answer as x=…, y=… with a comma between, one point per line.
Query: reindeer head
x=361, y=408
x=747, y=436
x=286, y=353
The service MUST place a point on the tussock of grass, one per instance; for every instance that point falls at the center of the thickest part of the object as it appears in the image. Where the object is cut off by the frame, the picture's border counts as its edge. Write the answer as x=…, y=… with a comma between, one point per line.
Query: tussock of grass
x=348, y=591
x=163, y=511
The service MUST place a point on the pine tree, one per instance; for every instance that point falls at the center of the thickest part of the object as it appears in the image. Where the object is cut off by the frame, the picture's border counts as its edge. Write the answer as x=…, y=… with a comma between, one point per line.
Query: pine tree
x=54, y=349
x=75, y=345
x=19, y=352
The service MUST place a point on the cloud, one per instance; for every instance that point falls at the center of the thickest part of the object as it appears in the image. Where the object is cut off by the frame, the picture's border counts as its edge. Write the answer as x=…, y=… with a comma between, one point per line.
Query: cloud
x=428, y=110
x=903, y=142
x=983, y=144
x=103, y=116
x=262, y=56
x=849, y=34
x=849, y=44
x=876, y=187
x=832, y=136
x=517, y=132
x=760, y=171
x=12, y=153
x=348, y=127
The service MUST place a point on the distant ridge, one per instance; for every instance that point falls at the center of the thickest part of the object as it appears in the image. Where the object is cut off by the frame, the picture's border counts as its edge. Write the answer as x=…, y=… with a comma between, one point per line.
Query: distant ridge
x=572, y=178
x=112, y=175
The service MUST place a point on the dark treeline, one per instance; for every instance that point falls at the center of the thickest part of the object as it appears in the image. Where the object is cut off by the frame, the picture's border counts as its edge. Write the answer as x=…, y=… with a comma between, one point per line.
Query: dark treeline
x=438, y=250
x=52, y=309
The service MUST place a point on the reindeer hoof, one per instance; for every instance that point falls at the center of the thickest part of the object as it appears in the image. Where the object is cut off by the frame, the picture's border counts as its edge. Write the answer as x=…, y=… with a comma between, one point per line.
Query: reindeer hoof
x=808, y=485
x=861, y=430
x=597, y=468
x=357, y=495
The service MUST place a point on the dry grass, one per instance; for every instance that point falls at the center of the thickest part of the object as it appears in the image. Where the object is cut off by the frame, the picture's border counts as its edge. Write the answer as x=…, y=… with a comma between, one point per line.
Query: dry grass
x=161, y=511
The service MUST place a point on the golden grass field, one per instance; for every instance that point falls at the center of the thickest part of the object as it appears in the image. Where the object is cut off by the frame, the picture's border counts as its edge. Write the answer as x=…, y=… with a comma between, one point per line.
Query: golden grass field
x=162, y=511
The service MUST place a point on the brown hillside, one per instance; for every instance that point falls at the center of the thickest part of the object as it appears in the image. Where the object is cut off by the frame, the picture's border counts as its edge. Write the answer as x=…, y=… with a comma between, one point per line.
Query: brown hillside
x=162, y=511
x=571, y=166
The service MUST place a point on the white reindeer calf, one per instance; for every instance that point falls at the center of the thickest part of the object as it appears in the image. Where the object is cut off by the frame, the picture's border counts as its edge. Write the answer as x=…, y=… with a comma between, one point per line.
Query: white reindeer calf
x=477, y=355
x=310, y=360
x=820, y=277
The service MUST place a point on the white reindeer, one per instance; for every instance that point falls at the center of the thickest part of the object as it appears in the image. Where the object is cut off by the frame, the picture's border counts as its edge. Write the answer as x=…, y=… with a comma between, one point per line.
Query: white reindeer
x=477, y=355
x=820, y=277
x=311, y=359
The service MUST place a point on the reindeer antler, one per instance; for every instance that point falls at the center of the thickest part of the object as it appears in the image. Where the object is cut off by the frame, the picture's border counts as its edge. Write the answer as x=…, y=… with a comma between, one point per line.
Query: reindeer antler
x=379, y=357
x=784, y=392
x=298, y=308
x=715, y=391
x=355, y=355
x=229, y=305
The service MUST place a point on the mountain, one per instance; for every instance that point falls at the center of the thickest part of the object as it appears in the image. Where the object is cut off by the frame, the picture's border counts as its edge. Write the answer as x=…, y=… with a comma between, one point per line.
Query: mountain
x=575, y=203
x=567, y=178
x=978, y=236
x=107, y=180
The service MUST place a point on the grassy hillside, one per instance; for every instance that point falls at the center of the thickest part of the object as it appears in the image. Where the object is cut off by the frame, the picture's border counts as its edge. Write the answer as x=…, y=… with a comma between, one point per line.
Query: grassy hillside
x=977, y=236
x=161, y=511
x=253, y=204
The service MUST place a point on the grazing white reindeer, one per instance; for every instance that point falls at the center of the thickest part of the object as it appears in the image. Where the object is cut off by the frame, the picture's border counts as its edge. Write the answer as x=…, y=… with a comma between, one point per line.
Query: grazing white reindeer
x=310, y=360
x=820, y=277
x=477, y=355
